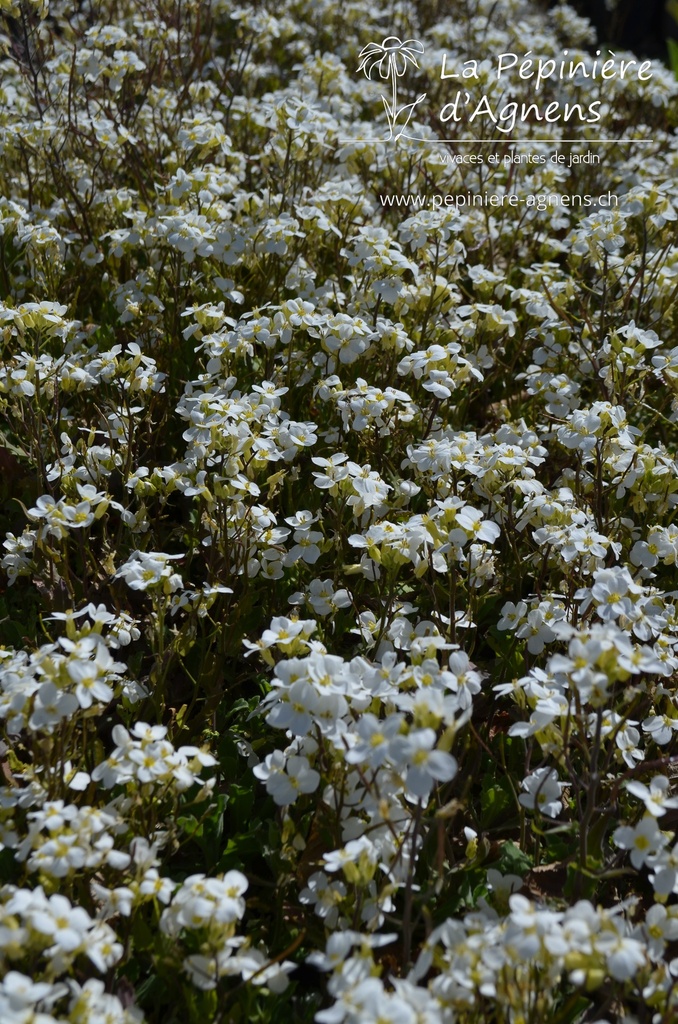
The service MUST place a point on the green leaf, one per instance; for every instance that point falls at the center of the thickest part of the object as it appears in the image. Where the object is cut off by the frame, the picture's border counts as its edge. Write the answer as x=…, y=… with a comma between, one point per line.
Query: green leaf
x=513, y=860
x=496, y=800
x=10, y=870
x=673, y=55
x=191, y=826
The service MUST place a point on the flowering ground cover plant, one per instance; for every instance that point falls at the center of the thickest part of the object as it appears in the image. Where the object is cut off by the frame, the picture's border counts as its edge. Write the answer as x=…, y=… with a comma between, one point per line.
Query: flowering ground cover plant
x=339, y=608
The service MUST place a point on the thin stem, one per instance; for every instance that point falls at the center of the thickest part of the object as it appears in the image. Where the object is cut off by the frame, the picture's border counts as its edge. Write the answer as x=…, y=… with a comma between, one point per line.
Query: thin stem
x=394, y=108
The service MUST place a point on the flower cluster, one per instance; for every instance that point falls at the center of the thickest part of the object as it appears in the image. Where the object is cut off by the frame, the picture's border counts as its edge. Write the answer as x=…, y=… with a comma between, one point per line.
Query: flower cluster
x=339, y=618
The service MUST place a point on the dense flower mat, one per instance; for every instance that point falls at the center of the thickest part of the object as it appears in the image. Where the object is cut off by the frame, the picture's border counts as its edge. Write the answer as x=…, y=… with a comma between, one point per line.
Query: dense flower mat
x=339, y=601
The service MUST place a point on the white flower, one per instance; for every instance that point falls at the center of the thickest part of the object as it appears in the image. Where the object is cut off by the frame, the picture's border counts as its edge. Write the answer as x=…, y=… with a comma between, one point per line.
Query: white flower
x=624, y=955
x=23, y=992
x=324, y=599
x=287, y=778
x=297, y=709
x=324, y=896
x=305, y=547
x=503, y=885
x=146, y=569
x=374, y=738
x=357, y=851
x=655, y=796
x=661, y=728
x=512, y=615
x=67, y=926
x=660, y=928
x=423, y=765
x=335, y=472
x=643, y=839
x=543, y=792
x=51, y=706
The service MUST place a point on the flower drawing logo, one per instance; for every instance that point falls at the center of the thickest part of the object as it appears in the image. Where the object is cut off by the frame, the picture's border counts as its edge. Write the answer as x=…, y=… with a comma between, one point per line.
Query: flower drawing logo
x=390, y=59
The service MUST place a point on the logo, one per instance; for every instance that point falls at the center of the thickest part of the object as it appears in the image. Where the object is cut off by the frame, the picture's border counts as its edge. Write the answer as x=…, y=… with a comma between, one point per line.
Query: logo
x=390, y=59
x=517, y=93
